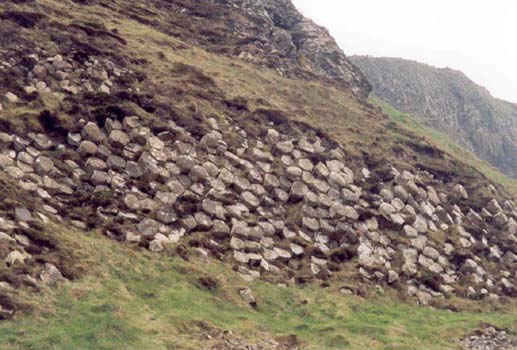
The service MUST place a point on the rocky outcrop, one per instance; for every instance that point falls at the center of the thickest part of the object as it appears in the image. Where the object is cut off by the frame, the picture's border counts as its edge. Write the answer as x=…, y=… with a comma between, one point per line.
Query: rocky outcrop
x=450, y=102
x=489, y=338
x=270, y=33
x=301, y=41
x=280, y=206
x=110, y=148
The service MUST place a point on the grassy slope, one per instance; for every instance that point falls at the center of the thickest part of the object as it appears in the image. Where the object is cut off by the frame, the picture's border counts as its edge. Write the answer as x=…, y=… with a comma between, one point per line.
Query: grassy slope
x=136, y=300
x=443, y=142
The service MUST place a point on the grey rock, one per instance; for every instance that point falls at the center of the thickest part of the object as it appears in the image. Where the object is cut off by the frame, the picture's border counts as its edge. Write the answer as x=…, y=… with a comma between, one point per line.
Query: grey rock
x=459, y=192
x=148, y=227
x=203, y=221
x=272, y=136
x=321, y=170
x=10, y=97
x=431, y=252
x=387, y=209
x=15, y=257
x=185, y=163
x=166, y=215
x=6, y=141
x=285, y=147
x=130, y=123
x=92, y=132
x=100, y=178
x=87, y=148
x=22, y=214
x=420, y=224
x=410, y=231
x=248, y=296
x=44, y=165
x=198, y=173
x=294, y=173
x=311, y=224
x=401, y=193
x=51, y=275
x=250, y=200
x=116, y=162
x=42, y=142
x=298, y=190
x=95, y=164
x=118, y=139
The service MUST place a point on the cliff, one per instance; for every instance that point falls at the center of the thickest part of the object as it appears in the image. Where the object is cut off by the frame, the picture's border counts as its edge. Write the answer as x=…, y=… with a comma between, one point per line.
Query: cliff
x=448, y=101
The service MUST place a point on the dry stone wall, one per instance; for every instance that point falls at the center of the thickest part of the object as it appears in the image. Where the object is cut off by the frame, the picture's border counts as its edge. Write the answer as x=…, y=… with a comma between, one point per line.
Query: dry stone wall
x=285, y=208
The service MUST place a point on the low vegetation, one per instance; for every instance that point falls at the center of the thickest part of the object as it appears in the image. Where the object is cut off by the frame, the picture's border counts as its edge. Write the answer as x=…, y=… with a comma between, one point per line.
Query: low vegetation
x=128, y=298
x=138, y=300
x=444, y=143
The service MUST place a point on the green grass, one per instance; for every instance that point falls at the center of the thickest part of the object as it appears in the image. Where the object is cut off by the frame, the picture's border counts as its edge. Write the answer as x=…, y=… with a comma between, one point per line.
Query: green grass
x=443, y=142
x=138, y=300
x=131, y=299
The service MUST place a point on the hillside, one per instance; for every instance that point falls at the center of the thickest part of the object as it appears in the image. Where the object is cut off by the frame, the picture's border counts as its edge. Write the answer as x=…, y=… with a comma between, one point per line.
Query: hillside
x=450, y=102
x=210, y=174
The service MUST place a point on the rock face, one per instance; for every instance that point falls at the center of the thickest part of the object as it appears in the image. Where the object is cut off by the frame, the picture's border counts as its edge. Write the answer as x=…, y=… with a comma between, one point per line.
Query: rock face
x=450, y=102
x=270, y=33
x=297, y=38
x=290, y=222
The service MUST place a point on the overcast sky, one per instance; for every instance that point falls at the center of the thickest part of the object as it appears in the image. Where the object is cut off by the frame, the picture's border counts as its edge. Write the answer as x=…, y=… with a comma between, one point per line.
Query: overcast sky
x=478, y=37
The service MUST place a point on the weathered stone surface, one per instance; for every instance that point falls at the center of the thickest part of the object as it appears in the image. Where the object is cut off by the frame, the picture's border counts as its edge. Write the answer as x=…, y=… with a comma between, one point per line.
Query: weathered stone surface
x=311, y=224
x=22, y=214
x=185, y=163
x=203, y=221
x=6, y=141
x=51, y=275
x=285, y=147
x=272, y=136
x=118, y=139
x=410, y=231
x=148, y=227
x=294, y=173
x=387, y=209
x=420, y=224
x=44, y=165
x=431, y=252
x=130, y=123
x=42, y=142
x=248, y=296
x=87, y=148
x=292, y=211
x=459, y=192
x=210, y=140
x=198, y=173
x=166, y=215
x=401, y=193
x=10, y=97
x=92, y=132
x=95, y=164
x=337, y=180
x=15, y=257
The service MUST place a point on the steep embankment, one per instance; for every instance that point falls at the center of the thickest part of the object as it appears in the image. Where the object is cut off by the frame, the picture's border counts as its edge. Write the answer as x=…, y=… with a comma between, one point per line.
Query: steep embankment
x=131, y=133
x=450, y=102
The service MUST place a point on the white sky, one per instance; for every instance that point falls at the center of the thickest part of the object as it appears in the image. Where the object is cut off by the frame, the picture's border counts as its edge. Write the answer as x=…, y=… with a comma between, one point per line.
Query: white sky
x=478, y=37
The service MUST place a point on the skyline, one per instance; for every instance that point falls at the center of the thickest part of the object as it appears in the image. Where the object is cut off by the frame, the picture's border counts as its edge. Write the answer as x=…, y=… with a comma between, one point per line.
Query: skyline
x=473, y=37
